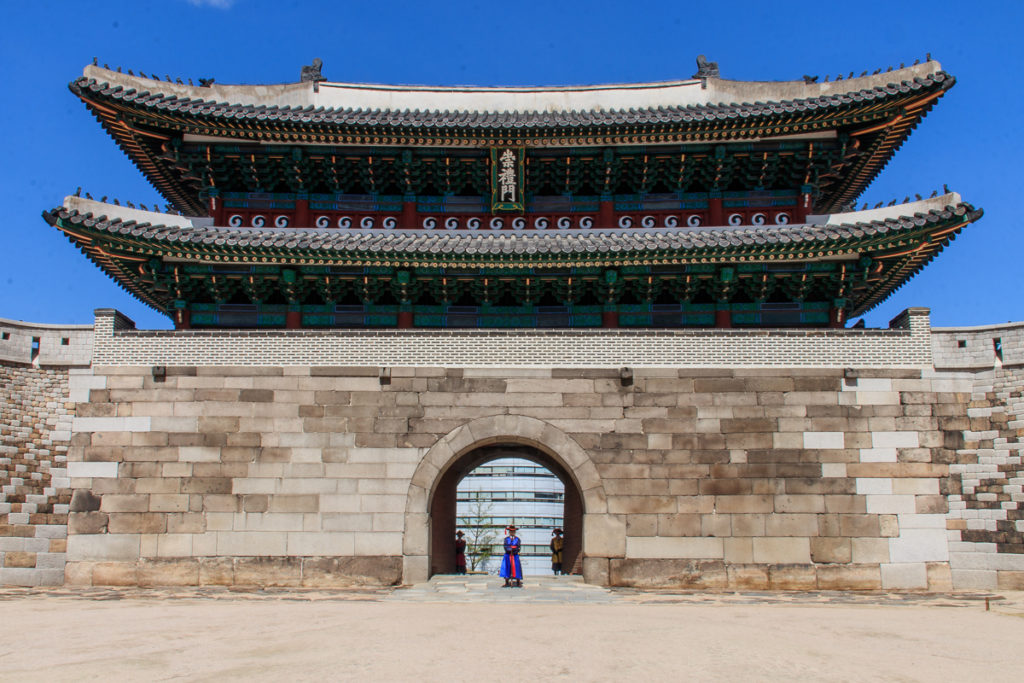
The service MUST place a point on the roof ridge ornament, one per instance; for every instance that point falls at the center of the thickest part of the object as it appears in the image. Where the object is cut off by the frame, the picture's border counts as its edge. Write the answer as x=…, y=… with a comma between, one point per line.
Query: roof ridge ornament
x=706, y=70
x=311, y=73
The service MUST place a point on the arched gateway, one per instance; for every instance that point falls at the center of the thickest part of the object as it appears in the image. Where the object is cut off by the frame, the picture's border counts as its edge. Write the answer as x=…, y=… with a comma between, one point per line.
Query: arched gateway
x=430, y=506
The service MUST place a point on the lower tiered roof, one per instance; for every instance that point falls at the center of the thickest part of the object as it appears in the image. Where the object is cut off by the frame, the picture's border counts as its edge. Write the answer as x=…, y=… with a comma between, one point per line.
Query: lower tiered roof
x=856, y=258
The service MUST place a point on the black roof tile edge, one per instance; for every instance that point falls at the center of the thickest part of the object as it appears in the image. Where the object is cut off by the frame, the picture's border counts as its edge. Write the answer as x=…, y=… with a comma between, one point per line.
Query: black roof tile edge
x=487, y=119
x=576, y=241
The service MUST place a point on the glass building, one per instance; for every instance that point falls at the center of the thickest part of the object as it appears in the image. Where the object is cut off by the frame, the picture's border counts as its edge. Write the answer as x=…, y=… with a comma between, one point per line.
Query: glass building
x=511, y=491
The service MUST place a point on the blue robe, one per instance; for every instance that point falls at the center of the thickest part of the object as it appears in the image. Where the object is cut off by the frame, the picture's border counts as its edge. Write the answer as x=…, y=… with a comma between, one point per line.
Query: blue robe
x=510, y=566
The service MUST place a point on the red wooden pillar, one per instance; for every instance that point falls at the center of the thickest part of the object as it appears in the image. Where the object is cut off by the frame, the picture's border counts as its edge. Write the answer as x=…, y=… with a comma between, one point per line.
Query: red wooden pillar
x=293, y=319
x=182, y=319
x=302, y=218
x=605, y=214
x=216, y=208
x=723, y=317
x=408, y=219
x=836, y=317
x=405, y=318
x=716, y=214
x=609, y=317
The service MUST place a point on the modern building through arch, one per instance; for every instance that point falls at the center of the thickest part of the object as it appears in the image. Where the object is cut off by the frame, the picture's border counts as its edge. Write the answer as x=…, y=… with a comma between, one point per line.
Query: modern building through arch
x=510, y=491
x=535, y=518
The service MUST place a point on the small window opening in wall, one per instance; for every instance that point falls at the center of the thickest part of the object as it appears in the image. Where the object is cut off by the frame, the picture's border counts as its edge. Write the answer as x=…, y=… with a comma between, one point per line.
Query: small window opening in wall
x=997, y=345
x=6, y=336
x=64, y=341
x=961, y=344
x=35, y=347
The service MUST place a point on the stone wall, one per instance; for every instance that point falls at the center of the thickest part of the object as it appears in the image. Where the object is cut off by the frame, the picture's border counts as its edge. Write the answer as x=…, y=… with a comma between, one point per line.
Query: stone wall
x=45, y=345
x=298, y=474
x=986, y=519
x=40, y=368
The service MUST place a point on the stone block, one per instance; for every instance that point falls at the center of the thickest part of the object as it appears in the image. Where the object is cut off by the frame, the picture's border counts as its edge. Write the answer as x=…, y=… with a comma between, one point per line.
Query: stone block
x=859, y=525
x=84, y=501
x=340, y=572
x=744, y=504
x=792, y=577
x=668, y=573
x=268, y=571
x=178, y=572
x=376, y=543
x=136, y=523
x=906, y=576
x=919, y=545
x=252, y=543
x=87, y=522
x=770, y=550
x=1010, y=580
x=216, y=571
x=160, y=502
x=890, y=504
x=716, y=525
x=596, y=570
x=19, y=559
x=738, y=550
x=670, y=525
x=940, y=579
x=675, y=548
x=831, y=550
x=791, y=524
x=115, y=574
x=92, y=470
x=326, y=543
x=869, y=550
x=416, y=569
x=103, y=547
x=975, y=579
x=751, y=577
x=604, y=535
x=820, y=440
x=646, y=525
x=849, y=577
x=78, y=573
x=806, y=503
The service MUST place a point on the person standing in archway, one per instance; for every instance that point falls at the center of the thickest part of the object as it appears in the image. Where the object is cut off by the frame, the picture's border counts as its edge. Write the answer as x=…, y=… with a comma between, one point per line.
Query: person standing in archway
x=511, y=568
x=557, y=545
x=460, y=553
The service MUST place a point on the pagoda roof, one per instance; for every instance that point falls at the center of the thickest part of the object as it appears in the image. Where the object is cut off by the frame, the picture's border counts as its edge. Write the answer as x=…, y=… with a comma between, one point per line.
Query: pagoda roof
x=505, y=107
x=146, y=116
x=903, y=238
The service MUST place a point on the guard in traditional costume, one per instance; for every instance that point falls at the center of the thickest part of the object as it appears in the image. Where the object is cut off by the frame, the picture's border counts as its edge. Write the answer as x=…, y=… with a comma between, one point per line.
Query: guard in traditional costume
x=557, y=545
x=511, y=569
x=460, y=553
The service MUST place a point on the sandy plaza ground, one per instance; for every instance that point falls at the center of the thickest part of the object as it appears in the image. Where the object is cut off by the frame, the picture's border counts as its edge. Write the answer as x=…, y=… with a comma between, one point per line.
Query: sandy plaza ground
x=471, y=632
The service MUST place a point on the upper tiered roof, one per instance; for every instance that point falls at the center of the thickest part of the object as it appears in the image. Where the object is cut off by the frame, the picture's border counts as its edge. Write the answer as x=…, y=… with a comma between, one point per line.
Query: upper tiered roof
x=149, y=117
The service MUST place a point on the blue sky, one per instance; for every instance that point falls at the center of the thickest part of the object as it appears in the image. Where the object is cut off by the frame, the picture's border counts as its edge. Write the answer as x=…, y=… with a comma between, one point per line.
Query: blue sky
x=971, y=141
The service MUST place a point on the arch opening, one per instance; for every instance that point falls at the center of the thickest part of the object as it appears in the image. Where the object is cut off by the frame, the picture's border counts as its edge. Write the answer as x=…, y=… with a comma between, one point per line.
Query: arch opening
x=444, y=504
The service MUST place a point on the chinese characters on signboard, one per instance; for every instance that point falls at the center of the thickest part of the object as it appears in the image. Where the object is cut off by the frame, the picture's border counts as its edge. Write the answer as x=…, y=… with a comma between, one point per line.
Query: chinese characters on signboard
x=507, y=180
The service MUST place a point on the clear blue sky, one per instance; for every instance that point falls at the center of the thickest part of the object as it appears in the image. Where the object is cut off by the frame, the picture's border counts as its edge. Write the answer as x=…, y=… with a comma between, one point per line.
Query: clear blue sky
x=970, y=141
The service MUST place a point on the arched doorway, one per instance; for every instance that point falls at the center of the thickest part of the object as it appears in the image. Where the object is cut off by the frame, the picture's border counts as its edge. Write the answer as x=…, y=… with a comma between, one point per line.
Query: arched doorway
x=602, y=535
x=443, y=504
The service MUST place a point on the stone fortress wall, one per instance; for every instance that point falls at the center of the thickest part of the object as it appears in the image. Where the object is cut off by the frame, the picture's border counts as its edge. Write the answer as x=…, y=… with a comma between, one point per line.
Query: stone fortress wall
x=757, y=459
x=37, y=368
x=986, y=515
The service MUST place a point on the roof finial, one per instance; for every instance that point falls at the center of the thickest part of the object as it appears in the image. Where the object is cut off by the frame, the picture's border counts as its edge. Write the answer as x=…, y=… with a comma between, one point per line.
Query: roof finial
x=706, y=69
x=311, y=74
x=945, y=188
x=928, y=57
x=78, y=192
x=95, y=61
x=205, y=82
x=810, y=79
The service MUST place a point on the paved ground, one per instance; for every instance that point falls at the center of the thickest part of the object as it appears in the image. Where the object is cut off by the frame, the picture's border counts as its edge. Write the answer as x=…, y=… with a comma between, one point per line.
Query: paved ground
x=471, y=629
